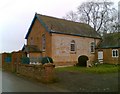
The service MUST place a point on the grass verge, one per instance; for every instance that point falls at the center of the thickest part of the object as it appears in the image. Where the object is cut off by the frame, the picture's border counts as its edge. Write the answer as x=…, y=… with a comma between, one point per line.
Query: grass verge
x=102, y=68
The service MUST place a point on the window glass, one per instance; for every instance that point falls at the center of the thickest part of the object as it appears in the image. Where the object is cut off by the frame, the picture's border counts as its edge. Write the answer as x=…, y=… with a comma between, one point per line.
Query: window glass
x=115, y=53
x=72, y=45
x=92, y=47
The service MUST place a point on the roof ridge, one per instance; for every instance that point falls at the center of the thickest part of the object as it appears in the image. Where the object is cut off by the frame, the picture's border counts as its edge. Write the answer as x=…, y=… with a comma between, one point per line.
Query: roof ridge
x=62, y=19
x=64, y=26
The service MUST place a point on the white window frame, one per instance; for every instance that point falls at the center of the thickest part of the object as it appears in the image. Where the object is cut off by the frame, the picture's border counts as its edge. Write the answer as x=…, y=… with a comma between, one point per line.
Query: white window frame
x=73, y=45
x=28, y=55
x=116, y=53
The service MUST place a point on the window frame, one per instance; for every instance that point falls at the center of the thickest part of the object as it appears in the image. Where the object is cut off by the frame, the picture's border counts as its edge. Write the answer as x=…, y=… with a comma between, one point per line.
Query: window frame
x=92, y=47
x=115, y=53
x=73, y=46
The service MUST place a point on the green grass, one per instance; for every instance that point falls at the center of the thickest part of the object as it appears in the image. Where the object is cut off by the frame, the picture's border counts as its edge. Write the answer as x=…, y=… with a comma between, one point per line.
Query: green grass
x=102, y=68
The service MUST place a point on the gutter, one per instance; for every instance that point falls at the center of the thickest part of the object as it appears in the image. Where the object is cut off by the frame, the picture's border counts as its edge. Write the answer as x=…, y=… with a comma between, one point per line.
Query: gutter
x=58, y=32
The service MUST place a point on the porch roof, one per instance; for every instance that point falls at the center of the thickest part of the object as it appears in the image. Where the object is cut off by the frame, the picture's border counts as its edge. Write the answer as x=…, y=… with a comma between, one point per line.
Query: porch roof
x=31, y=48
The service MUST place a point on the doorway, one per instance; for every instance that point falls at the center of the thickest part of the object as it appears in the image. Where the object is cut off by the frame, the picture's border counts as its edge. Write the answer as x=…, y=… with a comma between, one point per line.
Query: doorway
x=82, y=60
x=100, y=56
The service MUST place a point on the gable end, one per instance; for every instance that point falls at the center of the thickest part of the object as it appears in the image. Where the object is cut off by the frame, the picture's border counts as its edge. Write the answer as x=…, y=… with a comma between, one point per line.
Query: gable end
x=33, y=21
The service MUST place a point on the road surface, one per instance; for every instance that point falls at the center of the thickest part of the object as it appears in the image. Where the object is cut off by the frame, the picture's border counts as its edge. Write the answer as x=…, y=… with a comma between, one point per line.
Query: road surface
x=0, y=81
x=13, y=83
x=68, y=82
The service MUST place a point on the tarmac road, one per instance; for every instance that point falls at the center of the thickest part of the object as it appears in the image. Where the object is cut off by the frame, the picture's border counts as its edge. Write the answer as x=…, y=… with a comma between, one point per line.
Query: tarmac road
x=68, y=82
x=88, y=82
x=13, y=83
x=0, y=81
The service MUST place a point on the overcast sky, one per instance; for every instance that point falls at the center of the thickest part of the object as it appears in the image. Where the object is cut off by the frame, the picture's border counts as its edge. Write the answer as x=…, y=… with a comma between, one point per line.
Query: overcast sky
x=16, y=17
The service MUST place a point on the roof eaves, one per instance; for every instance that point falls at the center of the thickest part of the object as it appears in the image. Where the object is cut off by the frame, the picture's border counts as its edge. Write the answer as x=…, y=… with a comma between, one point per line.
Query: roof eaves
x=40, y=20
x=108, y=47
x=58, y=32
x=34, y=51
x=23, y=47
x=29, y=30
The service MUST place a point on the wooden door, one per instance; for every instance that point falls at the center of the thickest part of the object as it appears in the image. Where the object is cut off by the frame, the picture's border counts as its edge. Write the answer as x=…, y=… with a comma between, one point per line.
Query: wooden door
x=100, y=56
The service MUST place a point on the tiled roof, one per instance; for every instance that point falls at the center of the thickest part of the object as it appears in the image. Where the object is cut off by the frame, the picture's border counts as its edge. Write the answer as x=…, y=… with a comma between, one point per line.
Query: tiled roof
x=62, y=26
x=57, y=25
x=111, y=40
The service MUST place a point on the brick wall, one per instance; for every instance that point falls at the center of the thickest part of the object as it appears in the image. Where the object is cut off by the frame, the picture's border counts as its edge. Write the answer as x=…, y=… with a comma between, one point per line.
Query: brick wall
x=43, y=73
x=6, y=65
x=107, y=56
x=61, y=53
x=15, y=58
x=35, y=38
x=0, y=60
x=58, y=45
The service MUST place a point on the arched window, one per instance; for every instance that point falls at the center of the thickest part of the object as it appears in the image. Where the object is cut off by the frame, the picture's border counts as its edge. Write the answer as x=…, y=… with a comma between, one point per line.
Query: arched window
x=72, y=45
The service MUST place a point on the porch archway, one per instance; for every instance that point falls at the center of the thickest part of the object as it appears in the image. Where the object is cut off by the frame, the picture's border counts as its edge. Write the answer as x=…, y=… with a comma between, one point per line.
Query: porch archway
x=82, y=60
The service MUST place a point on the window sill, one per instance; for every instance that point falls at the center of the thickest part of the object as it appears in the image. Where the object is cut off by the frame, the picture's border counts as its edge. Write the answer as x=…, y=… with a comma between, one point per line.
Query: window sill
x=72, y=52
x=115, y=56
x=43, y=50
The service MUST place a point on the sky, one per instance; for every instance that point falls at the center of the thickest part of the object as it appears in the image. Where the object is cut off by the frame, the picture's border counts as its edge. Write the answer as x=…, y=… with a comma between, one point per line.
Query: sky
x=17, y=15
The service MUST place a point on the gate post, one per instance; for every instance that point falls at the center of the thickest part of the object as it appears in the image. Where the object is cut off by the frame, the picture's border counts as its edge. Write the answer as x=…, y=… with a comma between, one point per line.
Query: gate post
x=49, y=74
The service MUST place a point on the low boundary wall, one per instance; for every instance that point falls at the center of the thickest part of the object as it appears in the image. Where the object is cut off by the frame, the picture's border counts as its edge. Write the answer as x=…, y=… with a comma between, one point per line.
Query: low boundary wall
x=44, y=73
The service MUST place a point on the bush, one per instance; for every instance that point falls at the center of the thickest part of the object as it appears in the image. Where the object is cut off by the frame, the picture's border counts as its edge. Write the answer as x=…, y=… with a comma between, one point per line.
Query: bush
x=25, y=60
x=47, y=60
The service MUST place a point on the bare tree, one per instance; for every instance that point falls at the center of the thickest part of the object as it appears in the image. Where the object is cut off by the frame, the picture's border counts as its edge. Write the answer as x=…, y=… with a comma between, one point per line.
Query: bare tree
x=71, y=16
x=84, y=12
x=110, y=22
x=100, y=15
x=119, y=16
x=96, y=14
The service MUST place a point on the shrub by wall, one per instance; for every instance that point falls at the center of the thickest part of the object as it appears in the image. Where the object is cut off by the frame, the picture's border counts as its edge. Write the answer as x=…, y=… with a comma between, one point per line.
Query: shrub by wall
x=25, y=60
x=47, y=60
